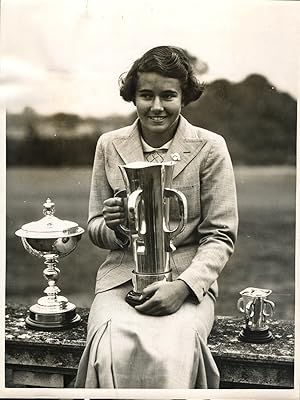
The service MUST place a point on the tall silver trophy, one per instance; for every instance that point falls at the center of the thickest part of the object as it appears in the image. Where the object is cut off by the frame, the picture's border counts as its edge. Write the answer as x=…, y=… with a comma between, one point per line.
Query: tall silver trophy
x=149, y=223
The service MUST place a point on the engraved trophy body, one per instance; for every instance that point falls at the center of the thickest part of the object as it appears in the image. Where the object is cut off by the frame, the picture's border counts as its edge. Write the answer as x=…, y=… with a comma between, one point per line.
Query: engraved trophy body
x=256, y=309
x=148, y=192
x=51, y=238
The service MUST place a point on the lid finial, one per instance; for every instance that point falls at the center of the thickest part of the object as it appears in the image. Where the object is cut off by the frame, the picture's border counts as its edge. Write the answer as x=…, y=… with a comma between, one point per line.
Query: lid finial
x=49, y=207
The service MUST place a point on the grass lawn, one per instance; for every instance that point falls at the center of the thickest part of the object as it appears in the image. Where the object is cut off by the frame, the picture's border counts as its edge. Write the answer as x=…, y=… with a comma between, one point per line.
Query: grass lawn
x=264, y=255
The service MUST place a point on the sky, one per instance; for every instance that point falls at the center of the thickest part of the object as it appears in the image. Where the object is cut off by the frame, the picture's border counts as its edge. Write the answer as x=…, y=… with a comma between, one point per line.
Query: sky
x=67, y=55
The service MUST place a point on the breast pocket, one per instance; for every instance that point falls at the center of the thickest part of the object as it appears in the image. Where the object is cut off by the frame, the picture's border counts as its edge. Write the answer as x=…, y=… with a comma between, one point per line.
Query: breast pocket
x=192, y=194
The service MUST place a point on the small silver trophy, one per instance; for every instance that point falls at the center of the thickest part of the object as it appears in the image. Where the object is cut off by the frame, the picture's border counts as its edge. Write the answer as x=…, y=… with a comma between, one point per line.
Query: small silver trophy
x=51, y=238
x=148, y=193
x=256, y=309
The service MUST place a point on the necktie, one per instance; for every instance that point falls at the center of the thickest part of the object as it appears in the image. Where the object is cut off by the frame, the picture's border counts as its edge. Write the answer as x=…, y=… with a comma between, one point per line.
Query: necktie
x=155, y=156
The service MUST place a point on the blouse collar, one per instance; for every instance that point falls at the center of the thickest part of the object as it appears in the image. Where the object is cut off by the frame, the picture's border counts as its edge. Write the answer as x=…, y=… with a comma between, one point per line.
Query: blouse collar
x=147, y=148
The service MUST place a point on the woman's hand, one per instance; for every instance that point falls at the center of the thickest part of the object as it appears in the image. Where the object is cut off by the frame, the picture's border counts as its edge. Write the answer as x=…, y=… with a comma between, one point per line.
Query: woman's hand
x=166, y=297
x=113, y=212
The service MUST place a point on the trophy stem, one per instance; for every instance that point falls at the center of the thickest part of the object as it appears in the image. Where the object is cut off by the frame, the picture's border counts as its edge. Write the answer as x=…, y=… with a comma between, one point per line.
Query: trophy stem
x=51, y=274
x=52, y=312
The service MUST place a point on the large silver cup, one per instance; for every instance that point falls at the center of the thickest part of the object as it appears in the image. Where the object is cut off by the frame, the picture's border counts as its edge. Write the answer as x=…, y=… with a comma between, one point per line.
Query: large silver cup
x=148, y=193
x=50, y=239
x=256, y=309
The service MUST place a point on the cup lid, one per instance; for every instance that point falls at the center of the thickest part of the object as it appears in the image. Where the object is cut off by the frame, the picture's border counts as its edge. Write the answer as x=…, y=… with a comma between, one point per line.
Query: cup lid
x=255, y=292
x=49, y=226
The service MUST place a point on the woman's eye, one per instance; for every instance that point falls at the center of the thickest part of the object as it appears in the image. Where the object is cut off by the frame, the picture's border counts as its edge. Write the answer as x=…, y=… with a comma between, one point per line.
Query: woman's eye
x=146, y=96
x=169, y=96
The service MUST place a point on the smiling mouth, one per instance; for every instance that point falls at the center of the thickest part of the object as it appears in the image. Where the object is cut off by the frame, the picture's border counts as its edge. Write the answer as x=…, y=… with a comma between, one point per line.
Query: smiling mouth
x=157, y=119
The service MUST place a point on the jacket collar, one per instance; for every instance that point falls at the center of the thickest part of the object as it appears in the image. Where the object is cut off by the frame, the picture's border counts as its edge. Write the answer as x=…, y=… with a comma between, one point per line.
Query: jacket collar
x=184, y=147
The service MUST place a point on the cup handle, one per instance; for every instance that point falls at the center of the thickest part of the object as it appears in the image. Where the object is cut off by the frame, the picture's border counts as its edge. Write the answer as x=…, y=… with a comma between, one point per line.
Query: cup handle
x=30, y=249
x=269, y=304
x=182, y=211
x=132, y=207
x=240, y=305
x=250, y=307
x=123, y=195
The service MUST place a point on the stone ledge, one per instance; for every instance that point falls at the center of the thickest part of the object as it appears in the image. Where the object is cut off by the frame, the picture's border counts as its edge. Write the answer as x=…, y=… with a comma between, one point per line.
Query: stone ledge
x=31, y=355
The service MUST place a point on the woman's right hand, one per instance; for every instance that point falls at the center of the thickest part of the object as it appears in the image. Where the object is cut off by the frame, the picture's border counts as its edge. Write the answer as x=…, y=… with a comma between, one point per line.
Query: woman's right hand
x=114, y=212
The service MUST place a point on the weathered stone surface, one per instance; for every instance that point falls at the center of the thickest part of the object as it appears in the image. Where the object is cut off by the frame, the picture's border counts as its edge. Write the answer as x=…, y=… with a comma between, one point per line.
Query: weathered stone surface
x=224, y=341
x=59, y=352
x=258, y=365
x=39, y=379
x=17, y=331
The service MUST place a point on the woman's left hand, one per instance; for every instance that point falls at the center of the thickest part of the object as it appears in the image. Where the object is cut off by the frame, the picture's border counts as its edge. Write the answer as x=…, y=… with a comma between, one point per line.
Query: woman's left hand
x=166, y=297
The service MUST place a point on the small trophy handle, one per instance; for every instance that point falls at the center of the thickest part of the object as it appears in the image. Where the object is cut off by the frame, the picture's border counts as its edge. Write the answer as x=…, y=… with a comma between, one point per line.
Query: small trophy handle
x=123, y=195
x=182, y=211
x=250, y=308
x=30, y=249
x=240, y=305
x=269, y=304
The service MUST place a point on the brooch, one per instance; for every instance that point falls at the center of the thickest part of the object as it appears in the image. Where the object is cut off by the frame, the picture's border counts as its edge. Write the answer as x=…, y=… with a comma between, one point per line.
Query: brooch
x=175, y=157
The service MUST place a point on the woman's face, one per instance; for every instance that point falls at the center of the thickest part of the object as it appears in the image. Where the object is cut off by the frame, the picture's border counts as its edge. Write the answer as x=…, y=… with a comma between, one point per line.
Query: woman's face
x=158, y=101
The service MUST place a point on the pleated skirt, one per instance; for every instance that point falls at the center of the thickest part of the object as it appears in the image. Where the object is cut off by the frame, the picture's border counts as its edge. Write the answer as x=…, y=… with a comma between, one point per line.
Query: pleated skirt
x=127, y=349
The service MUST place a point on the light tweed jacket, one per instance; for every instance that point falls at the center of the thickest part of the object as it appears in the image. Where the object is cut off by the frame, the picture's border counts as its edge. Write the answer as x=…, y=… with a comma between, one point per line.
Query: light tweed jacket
x=204, y=174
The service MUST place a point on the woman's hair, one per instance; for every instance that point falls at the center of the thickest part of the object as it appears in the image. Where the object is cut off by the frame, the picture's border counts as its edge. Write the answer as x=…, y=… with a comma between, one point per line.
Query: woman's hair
x=168, y=61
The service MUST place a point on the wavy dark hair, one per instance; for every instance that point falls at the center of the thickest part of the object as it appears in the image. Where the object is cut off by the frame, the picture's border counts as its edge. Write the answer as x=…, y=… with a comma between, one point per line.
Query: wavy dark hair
x=168, y=61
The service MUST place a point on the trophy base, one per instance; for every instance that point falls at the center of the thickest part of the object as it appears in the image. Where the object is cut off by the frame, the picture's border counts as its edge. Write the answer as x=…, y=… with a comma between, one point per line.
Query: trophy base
x=44, y=319
x=134, y=299
x=265, y=336
x=140, y=282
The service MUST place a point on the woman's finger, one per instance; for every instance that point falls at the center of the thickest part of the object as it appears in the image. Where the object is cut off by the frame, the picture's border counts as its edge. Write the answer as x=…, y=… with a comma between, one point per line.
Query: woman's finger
x=147, y=307
x=150, y=305
x=114, y=219
x=114, y=222
x=150, y=308
x=114, y=209
x=151, y=288
x=113, y=201
x=112, y=216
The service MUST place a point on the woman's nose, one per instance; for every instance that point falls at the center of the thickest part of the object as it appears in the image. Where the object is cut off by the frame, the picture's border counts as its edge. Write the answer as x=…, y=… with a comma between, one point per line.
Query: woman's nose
x=156, y=104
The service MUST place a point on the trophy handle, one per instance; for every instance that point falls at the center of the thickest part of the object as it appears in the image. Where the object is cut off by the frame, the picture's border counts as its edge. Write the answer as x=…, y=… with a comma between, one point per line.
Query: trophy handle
x=123, y=195
x=250, y=308
x=271, y=306
x=182, y=211
x=30, y=249
x=240, y=305
x=133, y=215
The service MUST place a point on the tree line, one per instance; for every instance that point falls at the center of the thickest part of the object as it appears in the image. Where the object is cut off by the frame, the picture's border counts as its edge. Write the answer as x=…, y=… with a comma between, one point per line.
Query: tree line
x=257, y=121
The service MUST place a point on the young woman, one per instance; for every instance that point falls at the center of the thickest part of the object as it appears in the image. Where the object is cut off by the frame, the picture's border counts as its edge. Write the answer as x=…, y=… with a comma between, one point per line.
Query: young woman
x=161, y=343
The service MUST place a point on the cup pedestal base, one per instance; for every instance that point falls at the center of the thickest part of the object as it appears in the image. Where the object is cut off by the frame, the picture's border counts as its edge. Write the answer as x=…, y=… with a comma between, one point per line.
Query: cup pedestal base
x=246, y=335
x=51, y=318
x=134, y=299
x=140, y=282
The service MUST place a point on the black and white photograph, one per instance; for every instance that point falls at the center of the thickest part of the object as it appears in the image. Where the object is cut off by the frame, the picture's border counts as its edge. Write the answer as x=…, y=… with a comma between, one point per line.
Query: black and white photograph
x=149, y=199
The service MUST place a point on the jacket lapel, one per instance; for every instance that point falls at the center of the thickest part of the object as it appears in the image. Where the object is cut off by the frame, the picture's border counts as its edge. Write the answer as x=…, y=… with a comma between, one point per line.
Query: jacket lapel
x=185, y=146
x=129, y=146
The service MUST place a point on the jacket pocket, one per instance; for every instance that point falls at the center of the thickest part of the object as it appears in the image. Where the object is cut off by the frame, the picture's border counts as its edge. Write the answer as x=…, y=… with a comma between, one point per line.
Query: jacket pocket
x=192, y=194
